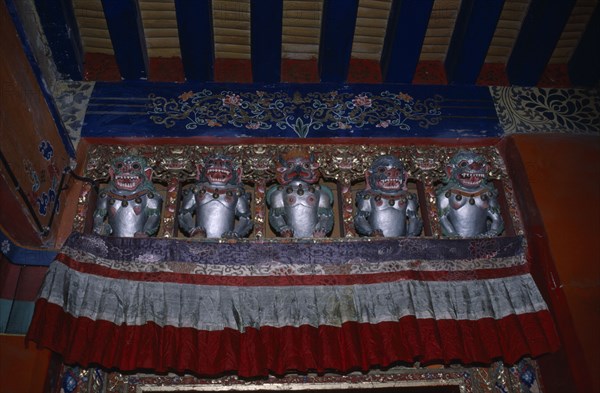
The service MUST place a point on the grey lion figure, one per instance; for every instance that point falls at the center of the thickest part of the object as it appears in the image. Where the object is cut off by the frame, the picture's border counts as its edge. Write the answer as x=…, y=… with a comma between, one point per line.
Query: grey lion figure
x=385, y=208
x=129, y=206
x=300, y=207
x=467, y=204
x=217, y=200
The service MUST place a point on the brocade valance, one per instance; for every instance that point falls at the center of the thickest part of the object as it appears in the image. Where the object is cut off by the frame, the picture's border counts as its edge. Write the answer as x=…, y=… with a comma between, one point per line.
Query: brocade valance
x=256, y=308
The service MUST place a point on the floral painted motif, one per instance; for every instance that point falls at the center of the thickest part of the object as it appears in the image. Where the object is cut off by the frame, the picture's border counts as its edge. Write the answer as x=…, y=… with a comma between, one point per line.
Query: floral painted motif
x=536, y=110
x=362, y=100
x=208, y=108
x=344, y=110
x=232, y=100
x=262, y=110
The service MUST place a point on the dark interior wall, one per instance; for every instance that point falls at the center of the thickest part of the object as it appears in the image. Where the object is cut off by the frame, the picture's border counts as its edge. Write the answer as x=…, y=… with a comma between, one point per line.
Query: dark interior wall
x=563, y=174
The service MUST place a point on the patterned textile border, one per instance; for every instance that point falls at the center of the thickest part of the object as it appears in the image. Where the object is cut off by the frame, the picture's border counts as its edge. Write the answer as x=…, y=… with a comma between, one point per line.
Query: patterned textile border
x=242, y=304
x=150, y=262
x=341, y=255
x=536, y=110
x=341, y=320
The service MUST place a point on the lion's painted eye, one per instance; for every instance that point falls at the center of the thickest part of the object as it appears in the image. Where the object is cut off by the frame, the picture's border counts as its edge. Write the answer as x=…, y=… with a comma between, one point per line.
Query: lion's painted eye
x=136, y=166
x=462, y=164
x=119, y=165
x=306, y=165
x=381, y=169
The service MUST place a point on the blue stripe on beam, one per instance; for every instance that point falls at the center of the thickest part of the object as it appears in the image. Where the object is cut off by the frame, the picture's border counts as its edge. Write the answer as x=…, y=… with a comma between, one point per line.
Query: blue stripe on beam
x=61, y=30
x=337, y=33
x=473, y=32
x=537, y=39
x=266, y=19
x=194, y=22
x=24, y=256
x=404, y=37
x=584, y=65
x=127, y=36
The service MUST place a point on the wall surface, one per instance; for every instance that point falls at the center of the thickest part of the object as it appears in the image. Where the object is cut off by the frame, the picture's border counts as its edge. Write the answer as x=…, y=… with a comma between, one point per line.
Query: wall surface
x=33, y=153
x=23, y=368
x=563, y=173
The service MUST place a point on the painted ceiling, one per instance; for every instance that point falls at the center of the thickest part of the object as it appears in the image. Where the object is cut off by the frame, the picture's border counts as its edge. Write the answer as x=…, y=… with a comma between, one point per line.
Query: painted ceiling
x=493, y=42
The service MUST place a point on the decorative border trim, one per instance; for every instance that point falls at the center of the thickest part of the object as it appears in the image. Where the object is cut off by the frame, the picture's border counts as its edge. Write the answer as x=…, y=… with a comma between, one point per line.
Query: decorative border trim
x=523, y=377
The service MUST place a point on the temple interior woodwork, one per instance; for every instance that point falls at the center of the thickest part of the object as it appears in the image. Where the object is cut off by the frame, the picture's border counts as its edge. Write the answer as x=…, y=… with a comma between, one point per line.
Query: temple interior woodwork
x=466, y=129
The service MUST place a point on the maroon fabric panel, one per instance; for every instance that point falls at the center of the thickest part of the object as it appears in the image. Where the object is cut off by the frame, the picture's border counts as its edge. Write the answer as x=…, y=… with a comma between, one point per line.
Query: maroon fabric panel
x=258, y=352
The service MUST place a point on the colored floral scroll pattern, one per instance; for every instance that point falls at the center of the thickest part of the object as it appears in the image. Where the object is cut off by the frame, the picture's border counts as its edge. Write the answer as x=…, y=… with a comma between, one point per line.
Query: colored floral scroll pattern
x=536, y=110
x=343, y=111
x=252, y=110
x=301, y=114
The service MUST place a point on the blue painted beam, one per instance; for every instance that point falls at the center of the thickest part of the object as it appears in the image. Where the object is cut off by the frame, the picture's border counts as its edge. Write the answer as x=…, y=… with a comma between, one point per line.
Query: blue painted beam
x=324, y=110
x=61, y=30
x=473, y=32
x=540, y=31
x=584, y=65
x=194, y=22
x=127, y=35
x=337, y=33
x=404, y=37
x=25, y=256
x=266, y=18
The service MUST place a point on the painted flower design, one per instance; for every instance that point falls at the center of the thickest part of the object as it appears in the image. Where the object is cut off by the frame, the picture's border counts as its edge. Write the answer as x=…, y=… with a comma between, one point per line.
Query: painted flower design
x=213, y=123
x=253, y=126
x=405, y=97
x=362, y=100
x=232, y=100
x=383, y=124
x=344, y=126
x=186, y=96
